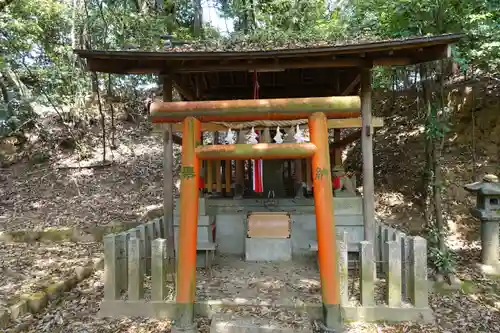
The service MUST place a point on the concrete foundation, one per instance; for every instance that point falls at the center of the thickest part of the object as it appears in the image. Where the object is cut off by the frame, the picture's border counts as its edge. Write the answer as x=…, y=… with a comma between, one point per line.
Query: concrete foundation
x=228, y=324
x=230, y=219
x=268, y=249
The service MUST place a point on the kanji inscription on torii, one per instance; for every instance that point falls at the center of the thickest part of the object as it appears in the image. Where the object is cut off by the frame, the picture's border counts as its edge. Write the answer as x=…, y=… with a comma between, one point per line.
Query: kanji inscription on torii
x=187, y=172
x=320, y=172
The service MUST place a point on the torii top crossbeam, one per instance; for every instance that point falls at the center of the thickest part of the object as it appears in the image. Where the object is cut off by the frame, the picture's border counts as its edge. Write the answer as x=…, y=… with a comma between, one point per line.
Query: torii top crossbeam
x=258, y=109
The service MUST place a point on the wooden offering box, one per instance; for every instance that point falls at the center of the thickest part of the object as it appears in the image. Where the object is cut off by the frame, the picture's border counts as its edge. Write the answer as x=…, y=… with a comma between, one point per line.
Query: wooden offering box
x=268, y=225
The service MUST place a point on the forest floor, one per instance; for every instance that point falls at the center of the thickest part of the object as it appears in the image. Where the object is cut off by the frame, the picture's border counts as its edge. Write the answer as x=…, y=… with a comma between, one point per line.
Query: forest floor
x=58, y=193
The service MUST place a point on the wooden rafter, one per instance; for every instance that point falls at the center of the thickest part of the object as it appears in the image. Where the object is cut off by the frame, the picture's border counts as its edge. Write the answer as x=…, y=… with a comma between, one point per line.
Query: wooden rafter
x=183, y=91
x=351, y=86
x=345, y=141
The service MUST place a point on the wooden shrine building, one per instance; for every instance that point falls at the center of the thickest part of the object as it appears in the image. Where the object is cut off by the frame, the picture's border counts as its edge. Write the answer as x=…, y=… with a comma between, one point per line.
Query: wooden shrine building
x=251, y=94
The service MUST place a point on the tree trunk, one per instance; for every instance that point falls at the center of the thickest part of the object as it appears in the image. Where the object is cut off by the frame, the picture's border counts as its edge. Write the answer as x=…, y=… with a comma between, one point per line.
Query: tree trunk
x=438, y=213
x=4, y=90
x=427, y=172
x=198, y=18
x=437, y=154
x=112, y=111
x=101, y=112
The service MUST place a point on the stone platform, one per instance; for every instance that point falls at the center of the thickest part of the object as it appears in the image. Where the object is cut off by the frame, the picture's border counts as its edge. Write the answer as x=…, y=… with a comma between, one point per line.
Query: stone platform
x=231, y=221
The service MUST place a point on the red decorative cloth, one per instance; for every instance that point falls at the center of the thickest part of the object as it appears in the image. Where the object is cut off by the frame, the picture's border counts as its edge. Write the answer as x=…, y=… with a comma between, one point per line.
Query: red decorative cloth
x=336, y=183
x=258, y=184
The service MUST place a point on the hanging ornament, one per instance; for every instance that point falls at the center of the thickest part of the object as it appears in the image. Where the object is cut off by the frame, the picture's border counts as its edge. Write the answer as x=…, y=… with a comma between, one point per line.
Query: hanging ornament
x=278, y=138
x=266, y=136
x=307, y=135
x=230, y=138
x=252, y=137
x=299, y=135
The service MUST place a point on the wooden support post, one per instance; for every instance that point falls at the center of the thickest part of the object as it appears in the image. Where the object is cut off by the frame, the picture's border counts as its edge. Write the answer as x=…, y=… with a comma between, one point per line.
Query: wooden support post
x=227, y=173
x=168, y=183
x=218, y=178
x=210, y=179
x=367, y=151
x=299, y=183
x=338, y=151
x=309, y=176
x=217, y=168
x=325, y=222
x=239, y=186
x=203, y=170
x=186, y=269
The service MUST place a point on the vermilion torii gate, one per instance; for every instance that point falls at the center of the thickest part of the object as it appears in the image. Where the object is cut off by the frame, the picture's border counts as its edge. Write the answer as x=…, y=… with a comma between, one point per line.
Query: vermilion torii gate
x=317, y=111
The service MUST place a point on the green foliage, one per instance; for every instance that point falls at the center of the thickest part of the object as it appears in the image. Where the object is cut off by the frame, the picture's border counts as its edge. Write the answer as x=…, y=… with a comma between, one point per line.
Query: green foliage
x=37, y=36
x=436, y=127
x=443, y=261
x=14, y=115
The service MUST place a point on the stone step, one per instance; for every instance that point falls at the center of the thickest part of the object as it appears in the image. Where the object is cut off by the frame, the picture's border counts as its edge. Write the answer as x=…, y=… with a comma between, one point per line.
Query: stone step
x=268, y=249
x=203, y=220
x=223, y=323
x=203, y=235
x=202, y=206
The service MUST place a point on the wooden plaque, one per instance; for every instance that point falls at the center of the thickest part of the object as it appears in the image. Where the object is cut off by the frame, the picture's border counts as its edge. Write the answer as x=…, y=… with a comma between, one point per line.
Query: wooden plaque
x=269, y=225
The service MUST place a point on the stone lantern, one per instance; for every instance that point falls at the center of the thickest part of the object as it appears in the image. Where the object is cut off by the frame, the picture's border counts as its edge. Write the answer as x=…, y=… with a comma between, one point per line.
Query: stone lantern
x=488, y=211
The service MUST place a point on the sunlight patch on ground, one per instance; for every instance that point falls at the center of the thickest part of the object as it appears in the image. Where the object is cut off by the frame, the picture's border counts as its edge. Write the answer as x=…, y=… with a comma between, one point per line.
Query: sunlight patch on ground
x=123, y=153
x=416, y=132
x=393, y=199
x=309, y=283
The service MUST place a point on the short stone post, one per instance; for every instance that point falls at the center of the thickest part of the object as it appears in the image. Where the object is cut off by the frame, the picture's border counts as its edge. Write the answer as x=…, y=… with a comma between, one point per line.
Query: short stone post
x=393, y=292
x=366, y=277
x=343, y=267
x=159, y=233
x=146, y=245
x=112, y=272
x=122, y=246
x=158, y=269
x=406, y=260
x=135, y=270
x=387, y=236
x=418, y=272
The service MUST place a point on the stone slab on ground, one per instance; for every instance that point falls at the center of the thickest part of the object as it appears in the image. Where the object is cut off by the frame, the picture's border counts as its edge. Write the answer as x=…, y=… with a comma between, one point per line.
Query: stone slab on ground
x=268, y=249
x=224, y=323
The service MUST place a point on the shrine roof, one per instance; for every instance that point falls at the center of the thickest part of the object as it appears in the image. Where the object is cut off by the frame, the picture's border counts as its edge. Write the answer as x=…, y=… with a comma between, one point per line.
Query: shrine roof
x=194, y=57
x=211, y=71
